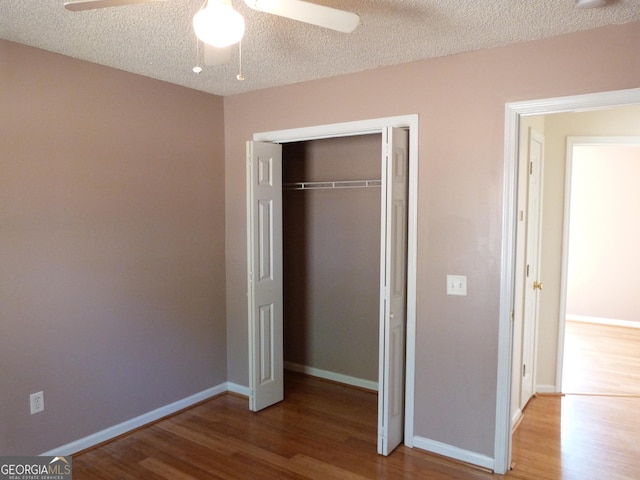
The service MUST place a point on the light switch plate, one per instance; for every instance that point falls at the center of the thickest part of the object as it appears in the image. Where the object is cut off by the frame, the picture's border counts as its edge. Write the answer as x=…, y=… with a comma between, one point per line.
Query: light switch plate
x=456, y=285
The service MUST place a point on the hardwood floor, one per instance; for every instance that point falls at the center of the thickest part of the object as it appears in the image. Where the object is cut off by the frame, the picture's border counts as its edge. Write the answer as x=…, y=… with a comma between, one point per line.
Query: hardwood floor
x=321, y=431
x=594, y=430
x=577, y=437
x=601, y=359
x=328, y=431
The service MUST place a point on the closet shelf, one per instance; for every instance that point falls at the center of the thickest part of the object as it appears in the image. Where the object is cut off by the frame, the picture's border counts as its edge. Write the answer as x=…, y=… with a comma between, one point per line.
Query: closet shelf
x=332, y=184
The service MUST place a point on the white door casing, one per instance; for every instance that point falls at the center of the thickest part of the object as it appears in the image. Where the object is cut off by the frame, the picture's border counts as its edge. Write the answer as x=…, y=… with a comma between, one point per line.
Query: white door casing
x=393, y=288
x=265, y=273
x=513, y=112
x=532, y=282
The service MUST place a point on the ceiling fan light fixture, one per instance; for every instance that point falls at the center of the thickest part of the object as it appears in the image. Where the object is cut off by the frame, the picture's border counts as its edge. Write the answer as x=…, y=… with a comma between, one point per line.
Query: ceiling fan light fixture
x=218, y=24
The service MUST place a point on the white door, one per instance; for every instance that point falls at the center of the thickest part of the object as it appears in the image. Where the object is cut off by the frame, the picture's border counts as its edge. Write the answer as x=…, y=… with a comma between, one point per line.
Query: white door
x=532, y=282
x=393, y=288
x=265, y=275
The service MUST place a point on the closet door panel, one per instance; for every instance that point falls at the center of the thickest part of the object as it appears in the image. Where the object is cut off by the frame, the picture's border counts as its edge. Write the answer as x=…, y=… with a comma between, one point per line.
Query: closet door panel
x=393, y=287
x=265, y=275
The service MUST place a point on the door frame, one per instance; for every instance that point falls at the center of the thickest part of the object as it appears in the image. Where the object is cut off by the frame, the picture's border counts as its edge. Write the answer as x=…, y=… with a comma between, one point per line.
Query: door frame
x=372, y=126
x=513, y=112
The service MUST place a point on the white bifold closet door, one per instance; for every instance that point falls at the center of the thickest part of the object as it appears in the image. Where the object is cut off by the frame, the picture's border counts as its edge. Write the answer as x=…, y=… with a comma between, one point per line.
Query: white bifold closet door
x=265, y=274
x=393, y=288
x=265, y=280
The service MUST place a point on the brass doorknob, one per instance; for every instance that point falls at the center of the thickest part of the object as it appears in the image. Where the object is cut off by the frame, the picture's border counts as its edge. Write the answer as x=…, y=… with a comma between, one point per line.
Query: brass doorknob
x=538, y=285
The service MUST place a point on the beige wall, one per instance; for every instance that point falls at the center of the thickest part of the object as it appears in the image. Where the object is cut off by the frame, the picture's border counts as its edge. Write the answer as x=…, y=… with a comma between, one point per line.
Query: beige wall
x=460, y=100
x=111, y=247
x=332, y=257
x=624, y=121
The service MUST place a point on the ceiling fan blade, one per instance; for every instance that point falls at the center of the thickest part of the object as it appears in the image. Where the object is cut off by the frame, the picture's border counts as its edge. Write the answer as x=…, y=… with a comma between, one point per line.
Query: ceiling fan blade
x=216, y=56
x=79, y=5
x=327, y=17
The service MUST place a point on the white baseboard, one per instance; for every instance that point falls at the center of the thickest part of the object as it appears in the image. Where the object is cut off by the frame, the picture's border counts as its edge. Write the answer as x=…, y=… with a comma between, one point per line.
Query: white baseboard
x=516, y=416
x=546, y=389
x=603, y=321
x=238, y=389
x=456, y=453
x=137, y=422
x=336, y=377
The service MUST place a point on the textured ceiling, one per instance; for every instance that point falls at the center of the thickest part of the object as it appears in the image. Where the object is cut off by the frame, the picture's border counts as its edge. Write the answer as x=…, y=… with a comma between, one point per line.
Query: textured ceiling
x=157, y=40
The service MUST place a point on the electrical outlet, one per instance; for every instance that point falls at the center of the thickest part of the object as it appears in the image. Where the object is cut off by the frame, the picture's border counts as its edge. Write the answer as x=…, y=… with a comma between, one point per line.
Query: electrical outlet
x=36, y=401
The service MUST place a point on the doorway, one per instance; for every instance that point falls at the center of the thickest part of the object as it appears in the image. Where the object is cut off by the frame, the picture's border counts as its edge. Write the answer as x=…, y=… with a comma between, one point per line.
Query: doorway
x=513, y=115
x=555, y=264
x=601, y=306
x=265, y=328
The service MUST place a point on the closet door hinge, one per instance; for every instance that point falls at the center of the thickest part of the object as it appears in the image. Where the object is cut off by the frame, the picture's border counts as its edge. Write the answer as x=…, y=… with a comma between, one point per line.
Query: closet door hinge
x=387, y=150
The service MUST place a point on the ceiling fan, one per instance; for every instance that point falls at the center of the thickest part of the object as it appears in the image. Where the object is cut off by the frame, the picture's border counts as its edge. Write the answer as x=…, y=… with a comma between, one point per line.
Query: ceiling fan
x=219, y=26
x=219, y=14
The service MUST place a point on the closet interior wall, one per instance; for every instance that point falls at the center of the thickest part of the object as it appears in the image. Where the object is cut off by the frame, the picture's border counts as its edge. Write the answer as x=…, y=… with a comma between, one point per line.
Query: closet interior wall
x=332, y=256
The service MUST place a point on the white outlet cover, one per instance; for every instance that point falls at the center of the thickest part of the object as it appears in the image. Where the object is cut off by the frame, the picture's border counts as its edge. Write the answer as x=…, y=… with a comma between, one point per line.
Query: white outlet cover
x=457, y=285
x=36, y=402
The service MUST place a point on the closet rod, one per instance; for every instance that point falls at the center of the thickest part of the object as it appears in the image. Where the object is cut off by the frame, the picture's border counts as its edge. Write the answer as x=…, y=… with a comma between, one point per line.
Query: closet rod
x=332, y=184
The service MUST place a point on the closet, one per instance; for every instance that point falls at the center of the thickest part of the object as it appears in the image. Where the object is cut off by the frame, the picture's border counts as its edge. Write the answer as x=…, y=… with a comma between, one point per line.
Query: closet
x=335, y=322
x=331, y=237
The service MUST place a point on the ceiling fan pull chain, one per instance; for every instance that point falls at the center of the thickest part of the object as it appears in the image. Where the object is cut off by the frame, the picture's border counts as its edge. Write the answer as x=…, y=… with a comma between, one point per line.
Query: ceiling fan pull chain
x=197, y=68
x=240, y=76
